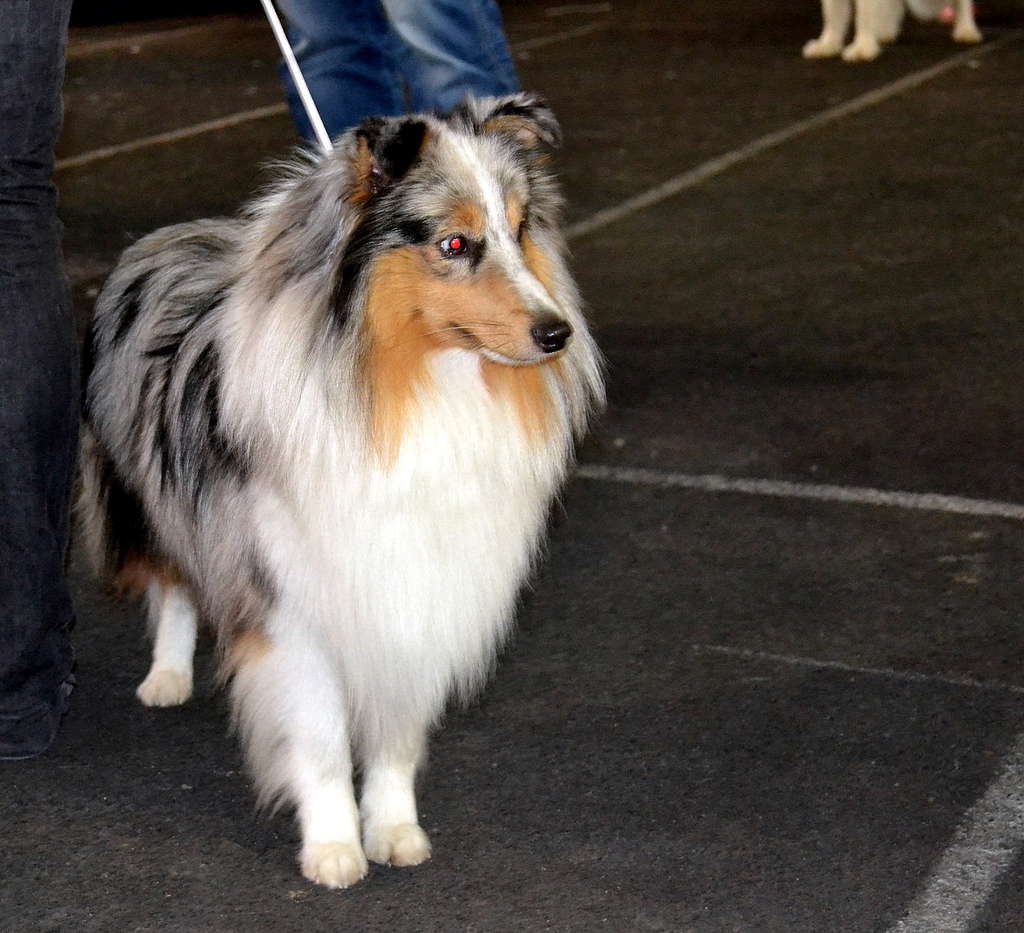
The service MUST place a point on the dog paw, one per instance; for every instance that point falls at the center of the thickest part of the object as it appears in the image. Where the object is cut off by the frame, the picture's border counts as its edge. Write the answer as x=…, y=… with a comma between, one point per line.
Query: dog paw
x=333, y=864
x=165, y=687
x=825, y=47
x=401, y=845
x=862, y=49
x=967, y=33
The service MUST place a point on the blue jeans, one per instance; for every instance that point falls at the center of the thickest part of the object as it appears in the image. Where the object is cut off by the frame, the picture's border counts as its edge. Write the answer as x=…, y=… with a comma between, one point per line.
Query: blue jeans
x=365, y=58
x=38, y=383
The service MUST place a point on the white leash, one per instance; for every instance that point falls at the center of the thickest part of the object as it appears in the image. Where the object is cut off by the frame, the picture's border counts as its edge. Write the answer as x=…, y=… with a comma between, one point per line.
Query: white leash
x=300, y=82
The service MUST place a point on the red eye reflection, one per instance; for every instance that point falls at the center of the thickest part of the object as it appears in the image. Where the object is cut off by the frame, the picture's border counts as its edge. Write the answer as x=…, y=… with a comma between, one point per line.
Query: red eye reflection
x=454, y=245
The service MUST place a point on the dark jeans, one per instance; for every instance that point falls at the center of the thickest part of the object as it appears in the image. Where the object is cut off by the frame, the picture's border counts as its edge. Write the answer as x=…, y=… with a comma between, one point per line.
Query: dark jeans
x=38, y=381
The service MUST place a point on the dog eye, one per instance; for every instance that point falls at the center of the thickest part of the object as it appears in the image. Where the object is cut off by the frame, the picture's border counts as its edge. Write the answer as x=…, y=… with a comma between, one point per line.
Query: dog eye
x=455, y=245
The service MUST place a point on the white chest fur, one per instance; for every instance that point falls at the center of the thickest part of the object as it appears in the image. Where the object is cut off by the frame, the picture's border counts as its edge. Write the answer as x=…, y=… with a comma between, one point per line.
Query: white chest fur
x=408, y=575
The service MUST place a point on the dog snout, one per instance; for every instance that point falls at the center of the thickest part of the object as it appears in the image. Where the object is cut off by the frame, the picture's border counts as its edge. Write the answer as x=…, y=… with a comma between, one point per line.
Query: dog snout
x=551, y=334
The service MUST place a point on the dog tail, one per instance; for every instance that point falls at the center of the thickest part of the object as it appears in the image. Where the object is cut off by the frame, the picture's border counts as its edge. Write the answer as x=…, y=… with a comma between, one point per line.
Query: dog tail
x=926, y=10
x=112, y=521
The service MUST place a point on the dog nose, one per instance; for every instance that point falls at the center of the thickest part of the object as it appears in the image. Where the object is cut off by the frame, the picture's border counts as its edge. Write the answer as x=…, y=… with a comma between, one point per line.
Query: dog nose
x=550, y=335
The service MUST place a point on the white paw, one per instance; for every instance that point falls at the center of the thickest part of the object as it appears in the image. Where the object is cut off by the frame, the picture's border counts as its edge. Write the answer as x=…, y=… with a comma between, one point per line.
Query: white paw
x=967, y=32
x=400, y=845
x=824, y=47
x=165, y=687
x=862, y=49
x=333, y=864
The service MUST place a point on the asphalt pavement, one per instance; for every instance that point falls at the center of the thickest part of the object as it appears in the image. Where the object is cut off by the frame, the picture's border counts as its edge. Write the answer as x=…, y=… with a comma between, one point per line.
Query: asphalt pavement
x=770, y=675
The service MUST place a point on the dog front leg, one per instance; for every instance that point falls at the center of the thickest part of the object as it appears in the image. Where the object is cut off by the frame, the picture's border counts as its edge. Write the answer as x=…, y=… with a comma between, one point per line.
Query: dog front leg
x=836, y=20
x=865, y=46
x=173, y=617
x=391, y=830
x=291, y=711
x=965, y=29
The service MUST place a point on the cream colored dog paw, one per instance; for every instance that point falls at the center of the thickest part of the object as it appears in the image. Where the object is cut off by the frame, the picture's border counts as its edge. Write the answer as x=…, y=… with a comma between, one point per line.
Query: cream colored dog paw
x=823, y=47
x=401, y=845
x=165, y=687
x=967, y=33
x=862, y=49
x=333, y=864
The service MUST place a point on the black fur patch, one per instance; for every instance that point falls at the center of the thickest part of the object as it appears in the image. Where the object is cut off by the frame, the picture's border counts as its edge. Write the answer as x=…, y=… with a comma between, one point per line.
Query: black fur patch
x=401, y=149
x=415, y=231
x=129, y=305
x=128, y=535
x=203, y=452
x=351, y=266
x=203, y=305
x=395, y=146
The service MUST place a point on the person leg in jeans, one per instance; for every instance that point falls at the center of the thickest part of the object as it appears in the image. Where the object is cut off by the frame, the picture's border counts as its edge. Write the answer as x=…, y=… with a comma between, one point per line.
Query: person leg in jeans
x=451, y=48
x=38, y=384
x=349, y=57
x=365, y=58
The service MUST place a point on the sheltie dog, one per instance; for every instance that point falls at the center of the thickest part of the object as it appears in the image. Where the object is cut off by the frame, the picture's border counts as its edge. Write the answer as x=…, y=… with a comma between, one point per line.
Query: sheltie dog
x=879, y=21
x=332, y=428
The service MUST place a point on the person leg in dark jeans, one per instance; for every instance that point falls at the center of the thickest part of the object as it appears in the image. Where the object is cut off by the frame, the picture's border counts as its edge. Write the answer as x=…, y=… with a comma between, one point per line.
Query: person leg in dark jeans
x=38, y=384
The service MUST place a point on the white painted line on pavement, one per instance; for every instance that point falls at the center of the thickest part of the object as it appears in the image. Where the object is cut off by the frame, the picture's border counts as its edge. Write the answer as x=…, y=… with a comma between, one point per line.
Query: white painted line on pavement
x=990, y=837
x=856, y=495
x=159, y=139
x=720, y=164
x=986, y=844
x=528, y=45
x=747, y=654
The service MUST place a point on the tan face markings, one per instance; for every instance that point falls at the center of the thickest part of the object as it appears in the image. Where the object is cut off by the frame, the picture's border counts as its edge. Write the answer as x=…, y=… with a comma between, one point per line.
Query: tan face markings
x=538, y=264
x=525, y=388
x=514, y=213
x=466, y=218
x=399, y=342
x=416, y=306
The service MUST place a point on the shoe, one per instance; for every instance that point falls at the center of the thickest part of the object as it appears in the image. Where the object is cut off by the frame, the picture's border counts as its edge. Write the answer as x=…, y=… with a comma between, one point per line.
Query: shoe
x=28, y=735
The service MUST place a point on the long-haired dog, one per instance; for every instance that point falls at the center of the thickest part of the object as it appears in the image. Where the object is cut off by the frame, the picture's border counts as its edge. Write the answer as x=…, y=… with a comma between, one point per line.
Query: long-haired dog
x=879, y=21
x=332, y=428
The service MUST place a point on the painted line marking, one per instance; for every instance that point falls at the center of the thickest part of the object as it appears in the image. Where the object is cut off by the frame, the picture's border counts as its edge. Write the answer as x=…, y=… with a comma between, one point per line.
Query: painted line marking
x=710, y=169
x=577, y=9
x=747, y=654
x=173, y=136
x=259, y=113
x=83, y=48
x=856, y=495
x=986, y=844
x=990, y=836
x=528, y=45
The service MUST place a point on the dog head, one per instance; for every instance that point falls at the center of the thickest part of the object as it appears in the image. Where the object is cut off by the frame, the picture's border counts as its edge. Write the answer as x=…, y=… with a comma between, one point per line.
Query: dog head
x=452, y=240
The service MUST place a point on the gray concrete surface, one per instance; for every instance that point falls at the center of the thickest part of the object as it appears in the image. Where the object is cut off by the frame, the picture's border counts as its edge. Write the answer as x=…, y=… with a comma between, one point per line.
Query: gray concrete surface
x=724, y=711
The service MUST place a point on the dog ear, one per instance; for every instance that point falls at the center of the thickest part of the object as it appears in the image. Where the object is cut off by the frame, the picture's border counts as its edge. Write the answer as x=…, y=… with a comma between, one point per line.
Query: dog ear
x=385, y=150
x=526, y=118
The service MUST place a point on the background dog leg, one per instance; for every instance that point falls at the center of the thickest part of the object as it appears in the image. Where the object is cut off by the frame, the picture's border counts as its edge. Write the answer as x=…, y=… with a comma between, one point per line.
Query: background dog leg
x=173, y=619
x=291, y=711
x=836, y=20
x=391, y=830
x=865, y=46
x=965, y=29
